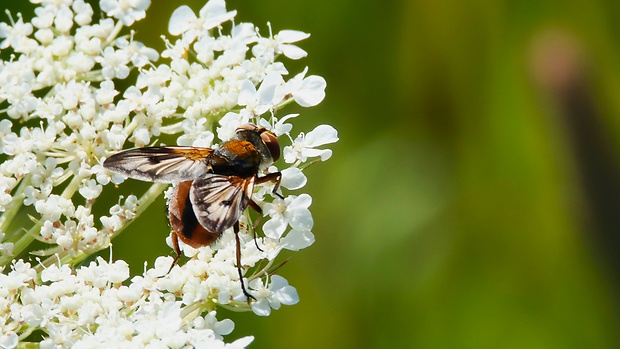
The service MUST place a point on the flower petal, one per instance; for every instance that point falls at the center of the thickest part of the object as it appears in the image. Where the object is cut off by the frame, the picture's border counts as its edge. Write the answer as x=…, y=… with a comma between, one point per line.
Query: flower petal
x=301, y=220
x=302, y=201
x=292, y=51
x=214, y=13
x=323, y=153
x=181, y=20
x=290, y=36
x=322, y=134
x=261, y=308
x=275, y=227
x=297, y=240
x=293, y=178
x=287, y=295
x=311, y=92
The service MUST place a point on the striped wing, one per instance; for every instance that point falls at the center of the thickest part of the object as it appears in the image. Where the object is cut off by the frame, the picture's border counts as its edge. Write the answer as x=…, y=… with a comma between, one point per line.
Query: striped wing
x=219, y=201
x=160, y=164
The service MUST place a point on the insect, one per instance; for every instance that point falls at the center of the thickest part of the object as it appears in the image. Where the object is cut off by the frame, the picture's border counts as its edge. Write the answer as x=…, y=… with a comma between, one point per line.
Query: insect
x=213, y=186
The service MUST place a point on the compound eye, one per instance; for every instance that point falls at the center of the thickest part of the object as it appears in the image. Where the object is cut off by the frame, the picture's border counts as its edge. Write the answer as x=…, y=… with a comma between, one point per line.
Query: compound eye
x=271, y=141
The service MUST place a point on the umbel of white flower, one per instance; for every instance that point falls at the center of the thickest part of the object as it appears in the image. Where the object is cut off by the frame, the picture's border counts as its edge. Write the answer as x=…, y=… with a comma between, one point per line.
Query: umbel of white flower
x=62, y=113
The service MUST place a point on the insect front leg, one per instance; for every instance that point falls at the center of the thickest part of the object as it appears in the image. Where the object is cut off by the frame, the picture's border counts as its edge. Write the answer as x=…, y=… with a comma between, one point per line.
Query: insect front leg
x=275, y=177
x=271, y=177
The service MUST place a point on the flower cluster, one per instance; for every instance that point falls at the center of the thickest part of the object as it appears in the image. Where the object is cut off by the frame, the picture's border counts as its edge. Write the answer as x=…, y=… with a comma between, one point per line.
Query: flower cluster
x=93, y=297
x=63, y=112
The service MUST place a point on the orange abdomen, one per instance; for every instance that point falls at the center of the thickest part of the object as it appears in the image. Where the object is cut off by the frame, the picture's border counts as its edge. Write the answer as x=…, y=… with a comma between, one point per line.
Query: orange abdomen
x=183, y=219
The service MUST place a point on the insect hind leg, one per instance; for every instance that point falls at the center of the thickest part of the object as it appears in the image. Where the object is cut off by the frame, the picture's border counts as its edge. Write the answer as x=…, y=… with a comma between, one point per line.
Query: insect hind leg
x=177, y=250
x=258, y=209
x=247, y=294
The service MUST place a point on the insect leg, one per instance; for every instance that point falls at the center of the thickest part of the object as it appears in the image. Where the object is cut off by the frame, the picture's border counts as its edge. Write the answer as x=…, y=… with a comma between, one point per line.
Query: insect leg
x=272, y=177
x=245, y=291
x=257, y=208
x=177, y=250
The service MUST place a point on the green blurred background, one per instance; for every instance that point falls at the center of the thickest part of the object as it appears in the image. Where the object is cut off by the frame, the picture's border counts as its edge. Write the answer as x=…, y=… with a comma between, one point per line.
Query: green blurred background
x=472, y=199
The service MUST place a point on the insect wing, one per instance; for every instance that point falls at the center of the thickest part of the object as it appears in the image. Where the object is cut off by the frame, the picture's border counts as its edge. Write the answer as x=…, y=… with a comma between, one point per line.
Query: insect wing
x=160, y=164
x=219, y=200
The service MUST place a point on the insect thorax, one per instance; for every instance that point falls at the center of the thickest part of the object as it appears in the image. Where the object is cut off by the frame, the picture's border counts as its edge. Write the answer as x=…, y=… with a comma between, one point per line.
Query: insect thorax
x=236, y=158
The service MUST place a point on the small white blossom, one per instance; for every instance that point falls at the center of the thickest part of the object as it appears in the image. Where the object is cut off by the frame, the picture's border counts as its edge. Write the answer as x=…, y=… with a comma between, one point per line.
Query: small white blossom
x=115, y=63
x=281, y=43
x=273, y=296
x=293, y=178
x=83, y=12
x=15, y=35
x=9, y=340
x=281, y=127
x=307, y=91
x=293, y=211
x=303, y=146
x=127, y=11
x=91, y=190
x=265, y=98
x=184, y=21
x=105, y=95
x=6, y=248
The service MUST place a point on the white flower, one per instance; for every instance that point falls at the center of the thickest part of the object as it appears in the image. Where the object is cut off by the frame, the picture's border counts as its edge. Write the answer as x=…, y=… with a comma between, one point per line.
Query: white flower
x=293, y=178
x=83, y=12
x=303, y=146
x=307, y=92
x=6, y=249
x=272, y=297
x=114, y=63
x=15, y=35
x=285, y=38
x=230, y=122
x=127, y=11
x=105, y=94
x=184, y=21
x=281, y=43
x=293, y=211
x=214, y=13
x=296, y=240
x=91, y=190
x=260, y=101
x=139, y=54
x=64, y=19
x=9, y=340
x=280, y=127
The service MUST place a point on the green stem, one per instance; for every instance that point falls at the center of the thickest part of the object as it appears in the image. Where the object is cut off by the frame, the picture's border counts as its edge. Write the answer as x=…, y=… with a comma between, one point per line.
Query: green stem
x=132, y=126
x=71, y=188
x=21, y=244
x=305, y=166
x=237, y=307
x=145, y=201
x=114, y=34
x=14, y=206
x=287, y=101
x=190, y=312
x=24, y=241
